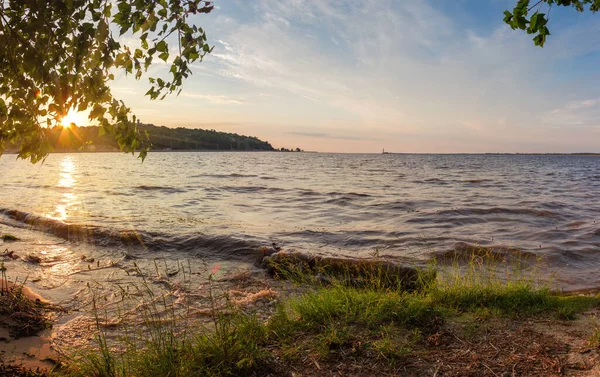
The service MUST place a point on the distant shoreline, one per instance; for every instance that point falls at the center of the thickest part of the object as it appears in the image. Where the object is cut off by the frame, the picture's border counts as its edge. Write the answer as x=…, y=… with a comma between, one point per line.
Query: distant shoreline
x=495, y=154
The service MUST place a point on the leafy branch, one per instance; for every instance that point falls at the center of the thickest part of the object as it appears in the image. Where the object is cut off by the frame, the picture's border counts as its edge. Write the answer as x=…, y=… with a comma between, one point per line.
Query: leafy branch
x=536, y=24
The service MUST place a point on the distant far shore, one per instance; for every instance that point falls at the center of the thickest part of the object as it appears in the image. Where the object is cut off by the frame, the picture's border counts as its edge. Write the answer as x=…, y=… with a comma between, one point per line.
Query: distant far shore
x=494, y=154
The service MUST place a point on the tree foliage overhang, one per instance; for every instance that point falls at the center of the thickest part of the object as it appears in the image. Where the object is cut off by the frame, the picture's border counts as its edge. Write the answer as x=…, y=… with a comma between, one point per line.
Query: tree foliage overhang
x=533, y=17
x=59, y=56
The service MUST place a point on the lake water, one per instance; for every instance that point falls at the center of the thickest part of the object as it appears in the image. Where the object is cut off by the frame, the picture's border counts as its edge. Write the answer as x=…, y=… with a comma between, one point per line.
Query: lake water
x=222, y=206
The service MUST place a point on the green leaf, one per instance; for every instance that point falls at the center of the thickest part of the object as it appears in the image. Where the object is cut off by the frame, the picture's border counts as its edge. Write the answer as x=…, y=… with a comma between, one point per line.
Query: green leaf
x=507, y=17
x=97, y=112
x=161, y=46
x=164, y=56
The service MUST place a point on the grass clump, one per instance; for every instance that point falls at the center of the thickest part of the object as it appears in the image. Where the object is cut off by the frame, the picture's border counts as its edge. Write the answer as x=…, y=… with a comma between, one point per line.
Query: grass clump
x=9, y=238
x=165, y=343
x=346, y=321
x=20, y=315
x=510, y=299
x=509, y=289
x=363, y=307
x=232, y=348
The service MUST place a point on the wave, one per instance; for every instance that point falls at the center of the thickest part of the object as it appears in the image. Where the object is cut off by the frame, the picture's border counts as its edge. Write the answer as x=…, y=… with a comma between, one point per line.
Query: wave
x=219, y=246
x=307, y=192
x=432, y=181
x=497, y=211
x=73, y=232
x=475, y=181
x=250, y=189
x=165, y=189
x=342, y=202
x=349, y=194
x=233, y=175
x=406, y=205
x=344, y=199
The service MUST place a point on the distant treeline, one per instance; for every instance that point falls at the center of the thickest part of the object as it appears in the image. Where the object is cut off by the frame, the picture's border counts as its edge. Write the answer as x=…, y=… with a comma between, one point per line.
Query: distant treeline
x=196, y=138
x=162, y=138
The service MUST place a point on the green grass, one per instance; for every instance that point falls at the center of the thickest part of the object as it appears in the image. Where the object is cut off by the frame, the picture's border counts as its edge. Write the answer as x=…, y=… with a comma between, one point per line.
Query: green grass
x=231, y=348
x=9, y=238
x=331, y=320
x=361, y=307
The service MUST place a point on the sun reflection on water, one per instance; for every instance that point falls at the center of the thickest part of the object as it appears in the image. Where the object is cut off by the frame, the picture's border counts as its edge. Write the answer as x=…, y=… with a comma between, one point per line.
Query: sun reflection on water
x=66, y=183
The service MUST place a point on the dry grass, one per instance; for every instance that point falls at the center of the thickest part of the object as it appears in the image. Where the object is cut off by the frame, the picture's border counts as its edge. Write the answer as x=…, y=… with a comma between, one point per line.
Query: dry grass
x=21, y=315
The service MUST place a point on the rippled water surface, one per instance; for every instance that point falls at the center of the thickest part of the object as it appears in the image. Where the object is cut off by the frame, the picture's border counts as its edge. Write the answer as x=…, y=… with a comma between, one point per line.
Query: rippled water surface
x=409, y=207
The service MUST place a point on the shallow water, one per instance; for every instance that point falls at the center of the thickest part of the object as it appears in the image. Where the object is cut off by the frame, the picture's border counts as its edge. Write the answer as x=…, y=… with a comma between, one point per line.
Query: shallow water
x=221, y=206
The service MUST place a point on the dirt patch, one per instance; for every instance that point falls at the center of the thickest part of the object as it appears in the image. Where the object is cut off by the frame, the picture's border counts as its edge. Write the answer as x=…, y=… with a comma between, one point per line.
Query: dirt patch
x=464, y=347
x=19, y=371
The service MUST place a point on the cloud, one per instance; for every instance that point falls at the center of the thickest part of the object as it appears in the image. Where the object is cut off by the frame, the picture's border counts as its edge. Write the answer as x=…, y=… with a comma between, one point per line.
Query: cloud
x=323, y=135
x=405, y=64
x=576, y=113
x=412, y=73
x=216, y=99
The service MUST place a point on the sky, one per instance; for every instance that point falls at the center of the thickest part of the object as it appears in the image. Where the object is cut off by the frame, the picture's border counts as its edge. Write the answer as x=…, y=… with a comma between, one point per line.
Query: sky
x=411, y=76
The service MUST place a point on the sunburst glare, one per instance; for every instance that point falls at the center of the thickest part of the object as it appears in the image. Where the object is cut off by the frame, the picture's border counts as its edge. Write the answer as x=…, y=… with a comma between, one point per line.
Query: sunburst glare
x=74, y=117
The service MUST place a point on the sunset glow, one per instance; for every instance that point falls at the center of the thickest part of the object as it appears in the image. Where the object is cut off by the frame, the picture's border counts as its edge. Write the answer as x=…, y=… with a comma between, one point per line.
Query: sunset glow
x=74, y=117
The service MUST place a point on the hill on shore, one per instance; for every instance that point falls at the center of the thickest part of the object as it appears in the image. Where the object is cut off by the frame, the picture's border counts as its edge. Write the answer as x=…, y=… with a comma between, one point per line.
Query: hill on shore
x=88, y=139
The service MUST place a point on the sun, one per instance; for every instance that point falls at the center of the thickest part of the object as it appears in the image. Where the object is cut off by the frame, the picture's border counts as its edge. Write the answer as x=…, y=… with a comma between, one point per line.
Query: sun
x=73, y=117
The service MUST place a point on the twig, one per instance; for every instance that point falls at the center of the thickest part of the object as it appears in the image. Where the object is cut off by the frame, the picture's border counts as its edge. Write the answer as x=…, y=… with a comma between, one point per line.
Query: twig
x=494, y=373
x=457, y=338
x=534, y=5
x=513, y=368
x=497, y=350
